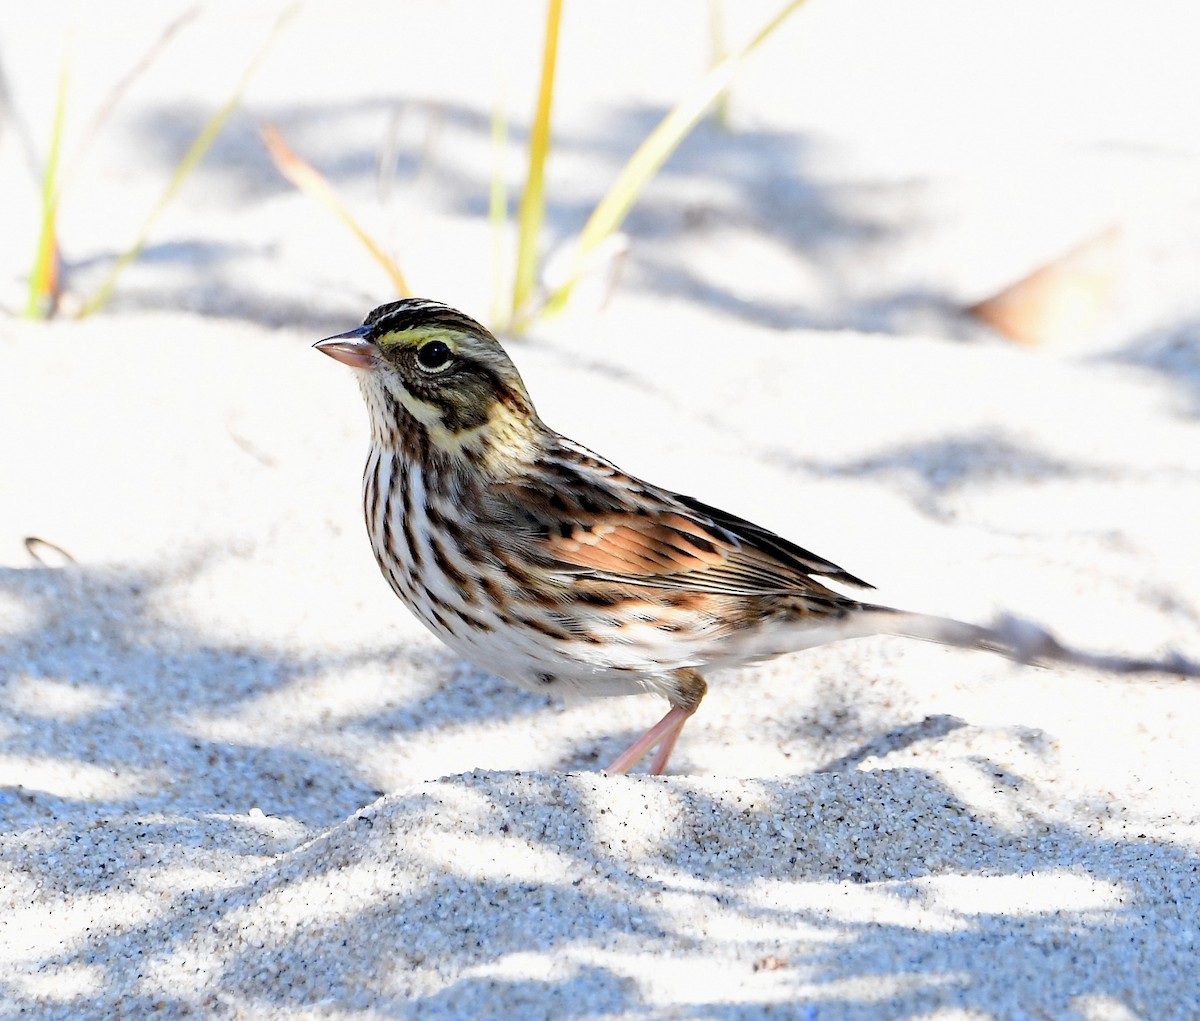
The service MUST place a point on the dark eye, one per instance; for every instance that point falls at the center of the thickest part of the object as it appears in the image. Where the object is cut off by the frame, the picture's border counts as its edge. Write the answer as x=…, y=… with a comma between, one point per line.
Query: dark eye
x=434, y=355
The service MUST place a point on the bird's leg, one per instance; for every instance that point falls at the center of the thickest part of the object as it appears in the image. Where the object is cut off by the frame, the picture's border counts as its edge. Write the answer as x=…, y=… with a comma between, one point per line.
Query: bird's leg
x=666, y=731
x=658, y=765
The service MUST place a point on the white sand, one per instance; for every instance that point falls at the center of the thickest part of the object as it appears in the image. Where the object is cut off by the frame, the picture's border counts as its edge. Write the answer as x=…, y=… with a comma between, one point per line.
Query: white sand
x=238, y=780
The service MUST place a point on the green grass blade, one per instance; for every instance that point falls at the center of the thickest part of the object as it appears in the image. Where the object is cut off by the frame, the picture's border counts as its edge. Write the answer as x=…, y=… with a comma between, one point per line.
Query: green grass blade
x=498, y=209
x=313, y=184
x=191, y=159
x=655, y=150
x=44, y=277
x=532, y=210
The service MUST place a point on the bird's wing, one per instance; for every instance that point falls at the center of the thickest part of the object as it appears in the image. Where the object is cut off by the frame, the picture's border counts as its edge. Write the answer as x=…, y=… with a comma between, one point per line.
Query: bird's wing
x=651, y=537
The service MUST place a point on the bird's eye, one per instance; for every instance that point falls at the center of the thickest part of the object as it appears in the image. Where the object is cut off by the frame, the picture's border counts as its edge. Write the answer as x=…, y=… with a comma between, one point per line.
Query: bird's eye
x=434, y=355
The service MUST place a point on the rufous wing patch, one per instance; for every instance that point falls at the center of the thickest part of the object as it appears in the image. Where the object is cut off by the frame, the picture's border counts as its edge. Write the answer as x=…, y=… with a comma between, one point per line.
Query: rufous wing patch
x=628, y=544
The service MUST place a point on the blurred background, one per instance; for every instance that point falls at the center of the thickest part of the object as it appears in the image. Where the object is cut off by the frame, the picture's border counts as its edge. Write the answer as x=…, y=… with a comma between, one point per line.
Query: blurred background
x=873, y=166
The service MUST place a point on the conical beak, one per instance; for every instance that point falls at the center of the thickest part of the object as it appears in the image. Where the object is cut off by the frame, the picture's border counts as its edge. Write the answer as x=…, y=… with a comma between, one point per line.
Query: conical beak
x=351, y=348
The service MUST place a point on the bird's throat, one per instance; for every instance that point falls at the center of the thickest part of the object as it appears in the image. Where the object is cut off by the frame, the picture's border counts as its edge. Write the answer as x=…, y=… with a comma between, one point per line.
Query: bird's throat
x=497, y=442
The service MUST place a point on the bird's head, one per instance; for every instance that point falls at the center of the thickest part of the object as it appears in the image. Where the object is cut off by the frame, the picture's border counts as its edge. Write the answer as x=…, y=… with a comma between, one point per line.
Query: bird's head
x=424, y=366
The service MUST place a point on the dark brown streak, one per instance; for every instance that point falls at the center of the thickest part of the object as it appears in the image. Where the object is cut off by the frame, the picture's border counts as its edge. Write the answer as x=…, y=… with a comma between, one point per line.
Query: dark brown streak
x=598, y=598
x=387, y=519
x=438, y=603
x=518, y=575
x=371, y=496
x=406, y=523
x=472, y=621
x=438, y=522
x=445, y=564
x=401, y=423
x=493, y=591
x=544, y=628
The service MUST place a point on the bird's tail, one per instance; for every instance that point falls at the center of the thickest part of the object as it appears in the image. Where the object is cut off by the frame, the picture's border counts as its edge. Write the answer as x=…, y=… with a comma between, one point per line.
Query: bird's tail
x=946, y=631
x=1020, y=640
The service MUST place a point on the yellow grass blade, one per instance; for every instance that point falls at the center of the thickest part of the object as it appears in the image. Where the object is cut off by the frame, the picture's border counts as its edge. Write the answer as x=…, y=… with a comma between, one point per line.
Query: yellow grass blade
x=718, y=48
x=44, y=277
x=313, y=184
x=655, y=150
x=533, y=200
x=196, y=152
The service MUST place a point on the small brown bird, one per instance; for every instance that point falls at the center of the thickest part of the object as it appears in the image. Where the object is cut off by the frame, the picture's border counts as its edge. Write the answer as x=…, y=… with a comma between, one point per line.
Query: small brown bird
x=543, y=563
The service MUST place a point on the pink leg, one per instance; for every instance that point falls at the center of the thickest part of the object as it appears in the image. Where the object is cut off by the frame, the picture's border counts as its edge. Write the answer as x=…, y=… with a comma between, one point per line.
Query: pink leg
x=659, y=765
x=664, y=734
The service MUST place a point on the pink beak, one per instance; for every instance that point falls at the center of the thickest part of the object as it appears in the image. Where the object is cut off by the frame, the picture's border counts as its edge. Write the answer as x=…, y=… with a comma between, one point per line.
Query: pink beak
x=351, y=348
